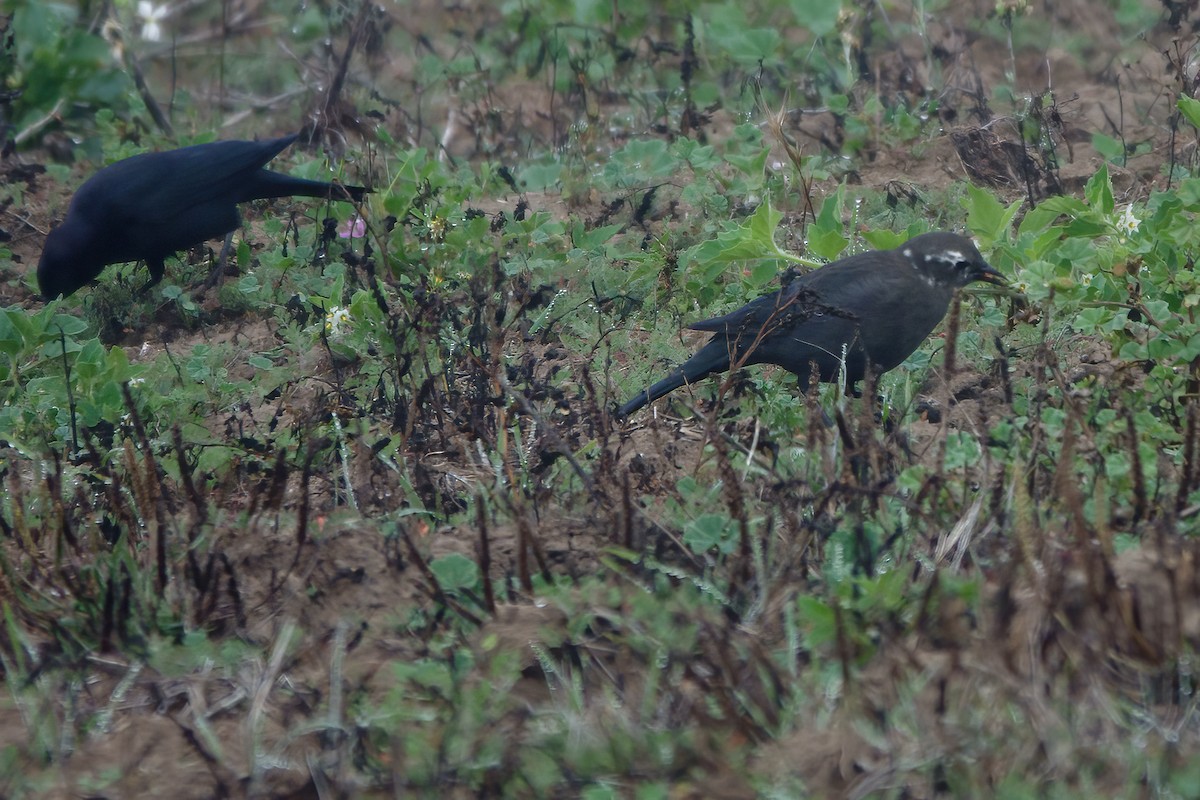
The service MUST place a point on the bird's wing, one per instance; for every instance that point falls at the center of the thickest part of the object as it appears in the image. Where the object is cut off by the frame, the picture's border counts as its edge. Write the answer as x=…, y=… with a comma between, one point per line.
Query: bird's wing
x=814, y=316
x=753, y=313
x=158, y=187
x=826, y=284
x=890, y=293
x=796, y=304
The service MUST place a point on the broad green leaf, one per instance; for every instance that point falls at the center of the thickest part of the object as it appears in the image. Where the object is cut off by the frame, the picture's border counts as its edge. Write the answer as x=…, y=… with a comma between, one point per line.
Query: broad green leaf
x=1098, y=191
x=1190, y=109
x=987, y=217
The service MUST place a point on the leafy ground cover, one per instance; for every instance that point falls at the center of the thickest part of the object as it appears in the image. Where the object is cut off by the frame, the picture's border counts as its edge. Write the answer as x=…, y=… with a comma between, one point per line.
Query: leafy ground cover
x=359, y=521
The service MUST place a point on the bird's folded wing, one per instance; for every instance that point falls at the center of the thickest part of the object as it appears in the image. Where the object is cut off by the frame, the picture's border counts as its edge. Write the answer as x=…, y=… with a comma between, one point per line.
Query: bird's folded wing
x=756, y=312
x=159, y=189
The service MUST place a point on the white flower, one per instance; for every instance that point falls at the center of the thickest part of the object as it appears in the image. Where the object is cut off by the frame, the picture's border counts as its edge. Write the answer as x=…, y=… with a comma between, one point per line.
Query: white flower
x=151, y=15
x=337, y=318
x=1127, y=222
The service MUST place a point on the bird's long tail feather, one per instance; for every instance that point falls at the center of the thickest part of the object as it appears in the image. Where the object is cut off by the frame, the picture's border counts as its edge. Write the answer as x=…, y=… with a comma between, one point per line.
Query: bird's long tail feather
x=275, y=184
x=713, y=357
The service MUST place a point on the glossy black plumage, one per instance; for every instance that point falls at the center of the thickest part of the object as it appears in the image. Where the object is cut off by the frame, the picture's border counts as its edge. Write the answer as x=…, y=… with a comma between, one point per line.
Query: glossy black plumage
x=152, y=205
x=880, y=304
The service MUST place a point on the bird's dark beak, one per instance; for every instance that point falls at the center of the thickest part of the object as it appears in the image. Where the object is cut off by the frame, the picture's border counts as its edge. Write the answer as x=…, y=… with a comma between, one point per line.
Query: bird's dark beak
x=988, y=273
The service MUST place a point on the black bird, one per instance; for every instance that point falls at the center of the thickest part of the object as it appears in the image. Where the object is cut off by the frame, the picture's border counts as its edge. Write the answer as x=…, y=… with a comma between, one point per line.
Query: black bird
x=152, y=205
x=878, y=305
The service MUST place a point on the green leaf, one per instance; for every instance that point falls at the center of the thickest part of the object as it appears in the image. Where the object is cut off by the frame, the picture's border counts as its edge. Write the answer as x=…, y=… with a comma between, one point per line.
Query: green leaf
x=753, y=239
x=1190, y=109
x=709, y=531
x=755, y=45
x=66, y=324
x=1112, y=149
x=762, y=273
x=837, y=103
x=586, y=240
x=243, y=254
x=760, y=229
x=455, y=571
x=752, y=164
x=1048, y=211
x=11, y=340
x=698, y=156
x=1085, y=228
x=884, y=239
x=825, y=237
x=987, y=218
x=818, y=617
x=640, y=161
x=117, y=366
x=1098, y=191
x=819, y=16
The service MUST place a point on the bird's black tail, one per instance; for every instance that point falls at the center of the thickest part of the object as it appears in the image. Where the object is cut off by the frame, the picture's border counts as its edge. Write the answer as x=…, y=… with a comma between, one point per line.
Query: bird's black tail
x=339, y=191
x=276, y=184
x=666, y=385
x=713, y=357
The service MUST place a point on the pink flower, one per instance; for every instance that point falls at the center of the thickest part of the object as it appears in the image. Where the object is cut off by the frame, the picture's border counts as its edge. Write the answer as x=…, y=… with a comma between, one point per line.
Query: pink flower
x=353, y=228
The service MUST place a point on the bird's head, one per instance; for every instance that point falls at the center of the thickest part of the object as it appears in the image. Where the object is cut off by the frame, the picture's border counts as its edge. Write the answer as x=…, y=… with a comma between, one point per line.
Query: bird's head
x=948, y=260
x=67, y=263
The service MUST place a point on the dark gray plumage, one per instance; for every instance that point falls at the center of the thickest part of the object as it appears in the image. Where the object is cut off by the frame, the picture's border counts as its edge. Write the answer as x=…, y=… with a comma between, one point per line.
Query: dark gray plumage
x=880, y=305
